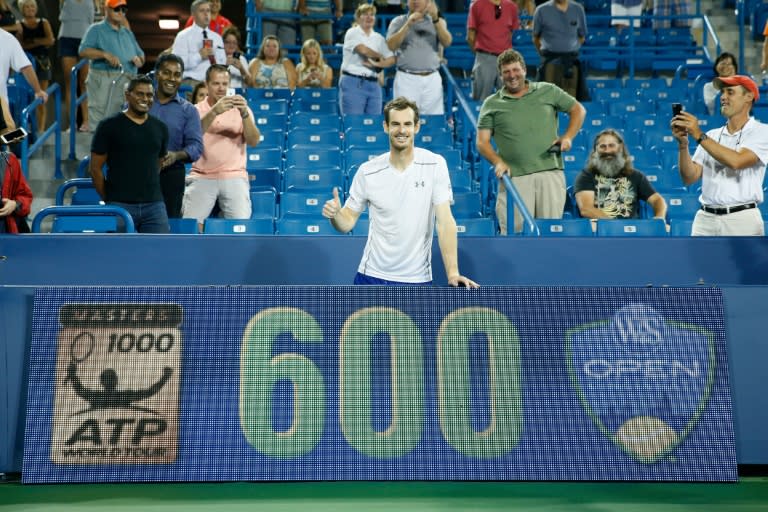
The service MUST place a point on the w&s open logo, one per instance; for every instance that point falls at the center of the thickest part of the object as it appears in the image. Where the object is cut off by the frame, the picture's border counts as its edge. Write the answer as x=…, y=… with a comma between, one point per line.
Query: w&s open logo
x=117, y=384
x=644, y=380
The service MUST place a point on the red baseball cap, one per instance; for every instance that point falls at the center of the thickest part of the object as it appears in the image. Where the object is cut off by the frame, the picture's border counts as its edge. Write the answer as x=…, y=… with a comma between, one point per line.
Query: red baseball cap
x=745, y=81
x=112, y=4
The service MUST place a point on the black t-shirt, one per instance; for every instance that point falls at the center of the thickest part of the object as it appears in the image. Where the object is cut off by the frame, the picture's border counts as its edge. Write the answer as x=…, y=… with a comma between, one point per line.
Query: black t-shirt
x=133, y=152
x=618, y=197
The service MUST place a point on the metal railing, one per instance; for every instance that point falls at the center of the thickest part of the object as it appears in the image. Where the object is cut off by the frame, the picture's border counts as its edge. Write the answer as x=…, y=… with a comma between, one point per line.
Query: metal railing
x=74, y=103
x=54, y=93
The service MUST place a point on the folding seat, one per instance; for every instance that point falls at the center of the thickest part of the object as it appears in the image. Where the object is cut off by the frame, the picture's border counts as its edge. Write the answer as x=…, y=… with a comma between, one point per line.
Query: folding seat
x=268, y=107
x=310, y=225
x=431, y=139
x=467, y=205
x=682, y=205
x=303, y=203
x=264, y=204
x=85, y=224
x=319, y=121
x=315, y=178
x=265, y=121
x=564, y=227
x=680, y=227
x=83, y=193
x=631, y=227
x=85, y=219
x=313, y=138
x=272, y=138
x=302, y=157
x=360, y=121
x=253, y=94
x=261, y=226
x=366, y=139
x=630, y=108
x=461, y=181
x=357, y=156
x=476, y=227
x=315, y=107
x=316, y=94
x=183, y=226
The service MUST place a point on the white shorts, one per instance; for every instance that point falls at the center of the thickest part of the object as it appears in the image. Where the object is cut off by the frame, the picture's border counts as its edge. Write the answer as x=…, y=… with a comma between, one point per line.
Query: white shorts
x=425, y=91
x=620, y=10
x=200, y=196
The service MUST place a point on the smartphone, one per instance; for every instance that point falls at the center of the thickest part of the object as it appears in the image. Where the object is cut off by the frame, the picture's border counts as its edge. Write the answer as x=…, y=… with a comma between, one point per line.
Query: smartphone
x=231, y=92
x=677, y=108
x=13, y=136
x=236, y=55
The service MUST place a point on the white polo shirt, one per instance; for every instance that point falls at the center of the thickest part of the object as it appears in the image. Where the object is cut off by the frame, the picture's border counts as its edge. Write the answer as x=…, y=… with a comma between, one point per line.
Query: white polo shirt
x=402, y=214
x=723, y=186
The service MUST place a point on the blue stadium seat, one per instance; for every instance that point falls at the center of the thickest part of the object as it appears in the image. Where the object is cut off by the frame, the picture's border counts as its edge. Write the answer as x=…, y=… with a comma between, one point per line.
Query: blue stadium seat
x=183, y=226
x=294, y=203
x=363, y=121
x=467, y=205
x=270, y=107
x=476, y=227
x=682, y=205
x=461, y=181
x=430, y=139
x=631, y=227
x=264, y=204
x=565, y=227
x=314, y=178
x=366, y=139
x=357, y=156
x=266, y=120
x=85, y=219
x=315, y=107
x=320, y=121
x=303, y=157
x=630, y=108
x=310, y=225
x=611, y=95
x=262, y=226
x=272, y=138
x=313, y=94
x=645, y=84
x=253, y=94
x=264, y=158
x=680, y=227
x=604, y=83
x=310, y=137
x=83, y=193
x=85, y=224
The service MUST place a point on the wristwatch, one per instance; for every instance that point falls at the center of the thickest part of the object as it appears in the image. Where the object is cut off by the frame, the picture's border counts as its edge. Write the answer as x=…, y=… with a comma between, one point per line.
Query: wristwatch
x=702, y=138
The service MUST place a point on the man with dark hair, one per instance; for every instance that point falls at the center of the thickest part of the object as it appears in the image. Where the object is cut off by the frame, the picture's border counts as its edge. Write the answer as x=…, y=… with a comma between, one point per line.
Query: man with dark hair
x=489, y=32
x=522, y=119
x=609, y=188
x=219, y=175
x=197, y=45
x=185, y=142
x=133, y=144
x=729, y=160
x=115, y=56
x=406, y=190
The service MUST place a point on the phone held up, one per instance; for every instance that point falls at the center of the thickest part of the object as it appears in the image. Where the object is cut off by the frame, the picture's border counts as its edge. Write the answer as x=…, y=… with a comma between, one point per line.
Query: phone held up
x=13, y=136
x=677, y=108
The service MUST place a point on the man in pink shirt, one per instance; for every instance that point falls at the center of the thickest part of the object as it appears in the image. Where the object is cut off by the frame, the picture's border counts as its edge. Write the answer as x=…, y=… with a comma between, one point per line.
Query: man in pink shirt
x=220, y=175
x=218, y=22
x=489, y=32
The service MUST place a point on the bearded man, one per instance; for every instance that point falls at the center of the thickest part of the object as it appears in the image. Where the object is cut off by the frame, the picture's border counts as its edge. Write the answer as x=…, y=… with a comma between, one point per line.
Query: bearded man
x=609, y=188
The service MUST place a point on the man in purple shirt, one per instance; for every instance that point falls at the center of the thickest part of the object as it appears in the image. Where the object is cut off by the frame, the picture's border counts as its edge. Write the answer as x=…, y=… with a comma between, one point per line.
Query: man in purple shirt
x=185, y=143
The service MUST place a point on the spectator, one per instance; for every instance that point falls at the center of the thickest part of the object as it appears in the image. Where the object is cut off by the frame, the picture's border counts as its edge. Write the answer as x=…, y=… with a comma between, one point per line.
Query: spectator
x=489, y=32
x=185, y=137
x=282, y=28
x=8, y=21
x=609, y=188
x=75, y=16
x=365, y=54
x=725, y=65
x=16, y=194
x=218, y=22
x=522, y=118
x=12, y=56
x=115, y=57
x=730, y=161
x=320, y=30
x=199, y=93
x=389, y=7
x=240, y=76
x=220, y=175
x=559, y=30
x=133, y=144
x=270, y=69
x=312, y=71
x=671, y=8
x=626, y=8
x=416, y=39
x=198, y=46
x=37, y=39
x=402, y=217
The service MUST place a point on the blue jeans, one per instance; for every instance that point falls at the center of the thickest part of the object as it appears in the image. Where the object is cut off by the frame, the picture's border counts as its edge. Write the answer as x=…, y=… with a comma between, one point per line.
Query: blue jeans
x=147, y=217
x=362, y=279
x=358, y=96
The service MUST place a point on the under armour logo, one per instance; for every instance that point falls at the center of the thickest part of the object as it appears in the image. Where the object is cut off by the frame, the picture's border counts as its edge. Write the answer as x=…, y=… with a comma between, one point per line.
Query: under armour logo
x=419, y=184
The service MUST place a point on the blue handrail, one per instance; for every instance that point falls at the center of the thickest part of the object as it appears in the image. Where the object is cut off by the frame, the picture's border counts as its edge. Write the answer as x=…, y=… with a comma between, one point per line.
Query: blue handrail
x=54, y=91
x=74, y=102
x=71, y=211
x=514, y=199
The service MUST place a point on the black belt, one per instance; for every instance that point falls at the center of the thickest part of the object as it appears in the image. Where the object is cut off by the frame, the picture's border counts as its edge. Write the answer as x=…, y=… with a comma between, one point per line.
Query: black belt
x=417, y=73
x=486, y=52
x=369, y=78
x=729, y=209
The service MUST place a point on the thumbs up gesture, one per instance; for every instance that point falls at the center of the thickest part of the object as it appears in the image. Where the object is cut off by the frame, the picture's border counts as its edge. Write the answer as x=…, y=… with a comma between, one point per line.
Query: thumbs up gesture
x=332, y=206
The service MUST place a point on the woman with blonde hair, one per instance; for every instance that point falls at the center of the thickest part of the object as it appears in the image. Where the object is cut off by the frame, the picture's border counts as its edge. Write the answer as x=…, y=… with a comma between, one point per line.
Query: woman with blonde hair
x=269, y=69
x=312, y=71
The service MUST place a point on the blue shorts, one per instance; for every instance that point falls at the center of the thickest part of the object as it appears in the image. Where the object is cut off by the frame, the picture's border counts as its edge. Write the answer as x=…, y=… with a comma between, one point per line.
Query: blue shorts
x=69, y=46
x=364, y=280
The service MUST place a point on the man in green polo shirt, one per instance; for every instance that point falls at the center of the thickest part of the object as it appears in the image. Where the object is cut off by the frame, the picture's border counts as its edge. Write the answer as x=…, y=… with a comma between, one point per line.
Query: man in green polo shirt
x=522, y=119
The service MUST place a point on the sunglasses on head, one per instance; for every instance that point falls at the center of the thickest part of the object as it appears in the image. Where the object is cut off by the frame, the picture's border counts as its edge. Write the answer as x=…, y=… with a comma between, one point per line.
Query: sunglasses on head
x=497, y=11
x=122, y=8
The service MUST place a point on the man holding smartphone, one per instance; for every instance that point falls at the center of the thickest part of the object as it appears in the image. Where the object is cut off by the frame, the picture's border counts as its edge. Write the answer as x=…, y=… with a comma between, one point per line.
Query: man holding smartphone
x=15, y=192
x=729, y=160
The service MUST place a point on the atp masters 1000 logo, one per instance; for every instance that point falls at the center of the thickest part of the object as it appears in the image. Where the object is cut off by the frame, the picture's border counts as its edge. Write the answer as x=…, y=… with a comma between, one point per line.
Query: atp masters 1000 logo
x=644, y=380
x=117, y=384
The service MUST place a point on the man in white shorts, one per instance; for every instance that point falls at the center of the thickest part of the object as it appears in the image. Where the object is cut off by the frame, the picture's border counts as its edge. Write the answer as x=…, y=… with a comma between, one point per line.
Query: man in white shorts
x=220, y=175
x=730, y=161
x=406, y=190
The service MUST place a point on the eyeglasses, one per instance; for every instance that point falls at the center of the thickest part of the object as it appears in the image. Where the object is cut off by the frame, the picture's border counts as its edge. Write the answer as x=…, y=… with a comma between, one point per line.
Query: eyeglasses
x=497, y=11
x=122, y=9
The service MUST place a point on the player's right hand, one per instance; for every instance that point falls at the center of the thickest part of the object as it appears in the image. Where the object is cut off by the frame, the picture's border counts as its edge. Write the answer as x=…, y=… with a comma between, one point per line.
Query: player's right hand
x=332, y=207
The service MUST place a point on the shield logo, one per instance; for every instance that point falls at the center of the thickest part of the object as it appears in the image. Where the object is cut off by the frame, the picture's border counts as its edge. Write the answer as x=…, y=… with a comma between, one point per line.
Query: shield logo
x=643, y=380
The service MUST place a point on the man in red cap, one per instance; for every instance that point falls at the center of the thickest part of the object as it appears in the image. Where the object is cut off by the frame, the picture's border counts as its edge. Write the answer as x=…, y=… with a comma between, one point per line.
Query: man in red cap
x=730, y=160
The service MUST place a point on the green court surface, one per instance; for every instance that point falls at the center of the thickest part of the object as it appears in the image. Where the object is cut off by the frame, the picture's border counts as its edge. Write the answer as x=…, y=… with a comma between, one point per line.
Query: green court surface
x=750, y=494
